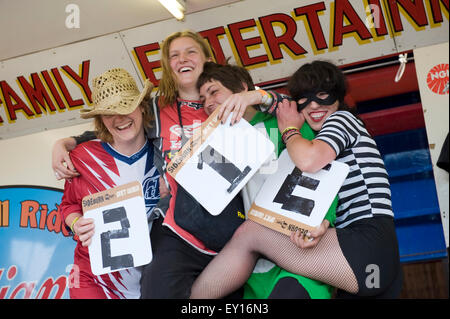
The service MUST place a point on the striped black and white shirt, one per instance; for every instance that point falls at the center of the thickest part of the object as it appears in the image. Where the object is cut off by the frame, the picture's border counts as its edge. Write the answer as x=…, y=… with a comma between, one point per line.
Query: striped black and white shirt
x=365, y=191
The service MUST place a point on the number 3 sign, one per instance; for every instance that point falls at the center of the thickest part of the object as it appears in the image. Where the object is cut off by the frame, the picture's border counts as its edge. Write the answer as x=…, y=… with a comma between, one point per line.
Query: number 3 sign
x=291, y=200
x=121, y=239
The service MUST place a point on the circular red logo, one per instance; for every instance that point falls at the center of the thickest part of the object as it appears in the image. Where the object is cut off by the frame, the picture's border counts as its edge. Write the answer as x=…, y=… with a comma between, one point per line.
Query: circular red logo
x=437, y=79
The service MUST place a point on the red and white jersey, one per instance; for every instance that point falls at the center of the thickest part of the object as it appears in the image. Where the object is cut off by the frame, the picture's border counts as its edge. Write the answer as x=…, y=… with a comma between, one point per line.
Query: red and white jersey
x=101, y=167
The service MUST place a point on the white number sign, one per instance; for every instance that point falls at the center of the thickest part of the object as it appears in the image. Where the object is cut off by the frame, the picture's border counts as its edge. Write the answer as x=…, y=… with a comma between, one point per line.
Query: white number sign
x=121, y=238
x=291, y=199
x=215, y=165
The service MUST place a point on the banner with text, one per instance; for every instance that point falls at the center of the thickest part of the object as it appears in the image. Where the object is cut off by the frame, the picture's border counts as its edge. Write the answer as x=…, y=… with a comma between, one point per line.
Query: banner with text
x=45, y=90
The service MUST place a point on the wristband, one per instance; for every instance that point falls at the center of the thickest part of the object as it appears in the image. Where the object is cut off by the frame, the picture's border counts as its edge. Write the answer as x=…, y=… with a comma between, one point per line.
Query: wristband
x=266, y=98
x=290, y=128
x=289, y=134
x=73, y=223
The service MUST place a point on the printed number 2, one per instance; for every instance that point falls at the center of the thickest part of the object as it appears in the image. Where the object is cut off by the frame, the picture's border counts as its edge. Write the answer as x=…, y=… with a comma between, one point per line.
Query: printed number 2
x=294, y=203
x=121, y=261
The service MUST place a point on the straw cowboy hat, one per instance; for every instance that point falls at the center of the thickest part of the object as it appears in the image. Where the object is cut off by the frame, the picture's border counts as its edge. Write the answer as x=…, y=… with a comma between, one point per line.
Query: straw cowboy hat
x=115, y=92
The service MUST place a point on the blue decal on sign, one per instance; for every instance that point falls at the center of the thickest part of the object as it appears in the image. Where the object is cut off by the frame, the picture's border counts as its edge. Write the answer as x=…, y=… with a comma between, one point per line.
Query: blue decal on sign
x=36, y=251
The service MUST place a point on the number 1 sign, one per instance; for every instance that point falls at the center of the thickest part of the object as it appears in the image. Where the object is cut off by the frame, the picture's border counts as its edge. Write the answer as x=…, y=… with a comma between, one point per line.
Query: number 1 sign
x=290, y=199
x=215, y=165
x=121, y=239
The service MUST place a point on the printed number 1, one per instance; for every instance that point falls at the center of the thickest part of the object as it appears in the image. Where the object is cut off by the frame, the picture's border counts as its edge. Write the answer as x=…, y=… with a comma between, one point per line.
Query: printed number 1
x=223, y=166
x=122, y=261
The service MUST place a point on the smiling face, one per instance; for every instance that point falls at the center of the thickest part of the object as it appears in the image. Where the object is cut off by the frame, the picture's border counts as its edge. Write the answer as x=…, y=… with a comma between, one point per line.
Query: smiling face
x=126, y=130
x=213, y=94
x=316, y=114
x=186, y=60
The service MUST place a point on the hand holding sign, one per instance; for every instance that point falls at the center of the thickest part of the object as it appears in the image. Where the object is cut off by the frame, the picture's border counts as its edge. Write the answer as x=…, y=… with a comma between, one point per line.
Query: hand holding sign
x=84, y=229
x=291, y=200
x=121, y=239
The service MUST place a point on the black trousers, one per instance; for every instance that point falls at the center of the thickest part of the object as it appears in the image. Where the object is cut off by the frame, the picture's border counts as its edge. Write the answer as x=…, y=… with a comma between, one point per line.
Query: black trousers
x=174, y=267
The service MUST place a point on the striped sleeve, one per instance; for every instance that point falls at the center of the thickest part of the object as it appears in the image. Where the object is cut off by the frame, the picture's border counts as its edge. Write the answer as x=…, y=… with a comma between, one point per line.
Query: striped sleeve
x=340, y=131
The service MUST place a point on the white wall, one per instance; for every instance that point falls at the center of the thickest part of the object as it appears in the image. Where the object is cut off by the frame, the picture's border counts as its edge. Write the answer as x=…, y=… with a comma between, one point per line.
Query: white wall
x=26, y=160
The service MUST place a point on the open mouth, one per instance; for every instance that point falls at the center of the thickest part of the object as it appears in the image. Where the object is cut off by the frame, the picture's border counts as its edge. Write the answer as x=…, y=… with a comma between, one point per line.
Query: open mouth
x=124, y=126
x=185, y=69
x=317, y=116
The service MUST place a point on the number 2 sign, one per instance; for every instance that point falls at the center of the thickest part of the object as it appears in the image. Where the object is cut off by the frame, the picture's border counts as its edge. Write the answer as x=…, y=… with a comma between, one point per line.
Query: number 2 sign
x=121, y=239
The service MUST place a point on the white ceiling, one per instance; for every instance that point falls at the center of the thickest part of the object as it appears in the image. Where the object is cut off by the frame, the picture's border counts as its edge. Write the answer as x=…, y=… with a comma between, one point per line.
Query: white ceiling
x=33, y=25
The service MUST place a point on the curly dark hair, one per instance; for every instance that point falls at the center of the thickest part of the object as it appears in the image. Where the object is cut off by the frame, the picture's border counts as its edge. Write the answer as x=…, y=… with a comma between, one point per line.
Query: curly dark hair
x=318, y=76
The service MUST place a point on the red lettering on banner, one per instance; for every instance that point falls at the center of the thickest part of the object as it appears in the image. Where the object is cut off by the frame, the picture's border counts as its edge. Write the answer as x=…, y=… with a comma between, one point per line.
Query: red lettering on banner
x=312, y=16
x=62, y=86
x=3, y=290
x=82, y=80
x=145, y=65
x=36, y=94
x=287, y=38
x=12, y=272
x=46, y=91
x=343, y=8
x=53, y=89
x=28, y=287
x=242, y=44
x=9, y=96
x=212, y=36
x=436, y=10
x=48, y=286
x=415, y=10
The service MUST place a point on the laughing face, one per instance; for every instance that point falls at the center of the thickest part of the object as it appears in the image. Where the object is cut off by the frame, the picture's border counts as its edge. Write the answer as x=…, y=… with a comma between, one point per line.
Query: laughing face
x=186, y=61
x=213, y=94
x=125, y=128
x=316, y=114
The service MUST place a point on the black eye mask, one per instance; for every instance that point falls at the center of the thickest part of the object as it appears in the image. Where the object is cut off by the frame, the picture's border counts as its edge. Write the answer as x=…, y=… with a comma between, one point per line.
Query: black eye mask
x=310, y=96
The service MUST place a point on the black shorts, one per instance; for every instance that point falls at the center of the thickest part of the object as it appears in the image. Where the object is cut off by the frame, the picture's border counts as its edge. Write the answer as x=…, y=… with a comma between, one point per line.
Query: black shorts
x=371, y=248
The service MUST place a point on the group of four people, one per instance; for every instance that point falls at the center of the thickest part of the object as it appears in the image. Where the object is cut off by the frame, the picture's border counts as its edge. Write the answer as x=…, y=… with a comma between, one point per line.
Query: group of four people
x=137, y=136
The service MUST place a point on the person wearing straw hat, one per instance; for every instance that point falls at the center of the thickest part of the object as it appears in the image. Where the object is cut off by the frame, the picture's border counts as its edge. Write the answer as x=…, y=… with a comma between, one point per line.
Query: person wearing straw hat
x=122, y=153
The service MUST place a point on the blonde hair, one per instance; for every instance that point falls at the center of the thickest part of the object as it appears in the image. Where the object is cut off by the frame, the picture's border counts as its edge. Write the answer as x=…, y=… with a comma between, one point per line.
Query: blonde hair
x=168, y=89
x=147, y=119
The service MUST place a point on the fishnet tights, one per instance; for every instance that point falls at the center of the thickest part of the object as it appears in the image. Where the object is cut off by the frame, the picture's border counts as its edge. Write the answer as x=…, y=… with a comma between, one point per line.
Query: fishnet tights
x=231, y=268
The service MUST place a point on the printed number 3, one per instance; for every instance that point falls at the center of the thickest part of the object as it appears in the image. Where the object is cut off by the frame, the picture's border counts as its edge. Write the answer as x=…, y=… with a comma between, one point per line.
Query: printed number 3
x=121, y=261
x=297, y=204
